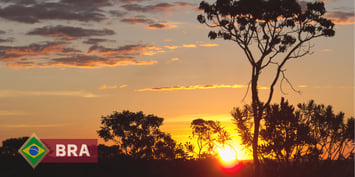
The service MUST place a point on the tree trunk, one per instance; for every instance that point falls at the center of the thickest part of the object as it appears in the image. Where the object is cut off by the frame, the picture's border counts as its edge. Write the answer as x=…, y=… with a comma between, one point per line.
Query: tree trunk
x=257, y=117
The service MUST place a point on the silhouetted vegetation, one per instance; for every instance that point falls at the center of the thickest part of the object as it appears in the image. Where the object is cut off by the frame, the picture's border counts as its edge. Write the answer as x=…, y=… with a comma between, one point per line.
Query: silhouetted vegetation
x=313, y=132
x=269, y=33
x=11, y=146
x=206, y=134
x=296, y=142
x=138, y=136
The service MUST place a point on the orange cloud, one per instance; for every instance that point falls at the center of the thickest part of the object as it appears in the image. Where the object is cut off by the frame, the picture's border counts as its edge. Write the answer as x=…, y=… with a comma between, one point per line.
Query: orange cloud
x=341, y=18
x=171, y=46
x=209, y=45
x=107, y=87
x=189, y=45
x=123, y=86
x=175, y=59
x=193, y=87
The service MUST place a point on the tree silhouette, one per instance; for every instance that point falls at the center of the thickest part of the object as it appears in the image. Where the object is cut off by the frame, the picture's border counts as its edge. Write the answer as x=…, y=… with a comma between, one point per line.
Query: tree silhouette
x=312, y=132
x=334, y=134
x=138, y=136
x=11, y=146
x=207, y=133
x=285, y=135
x=268, y=32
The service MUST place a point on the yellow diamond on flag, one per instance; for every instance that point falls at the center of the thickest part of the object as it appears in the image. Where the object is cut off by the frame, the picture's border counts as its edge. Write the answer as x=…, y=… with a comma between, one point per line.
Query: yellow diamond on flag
x=33, y=150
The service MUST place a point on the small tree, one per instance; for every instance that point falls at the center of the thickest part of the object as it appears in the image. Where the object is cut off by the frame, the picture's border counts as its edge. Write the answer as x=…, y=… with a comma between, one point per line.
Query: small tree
x=268, y=32
x=138, y=135
x=207, y=133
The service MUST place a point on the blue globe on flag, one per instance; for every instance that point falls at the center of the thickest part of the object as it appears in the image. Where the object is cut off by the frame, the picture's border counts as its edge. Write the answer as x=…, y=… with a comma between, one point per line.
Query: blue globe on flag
x=33, y=150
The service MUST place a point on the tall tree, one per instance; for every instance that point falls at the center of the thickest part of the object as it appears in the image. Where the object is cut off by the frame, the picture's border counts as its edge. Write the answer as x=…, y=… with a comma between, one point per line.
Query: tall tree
x=270, y=32
x=138, y=135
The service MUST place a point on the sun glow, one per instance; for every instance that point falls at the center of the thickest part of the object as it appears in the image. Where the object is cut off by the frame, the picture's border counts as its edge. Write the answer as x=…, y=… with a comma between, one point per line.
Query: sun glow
x=228, y=161
x=227, y=154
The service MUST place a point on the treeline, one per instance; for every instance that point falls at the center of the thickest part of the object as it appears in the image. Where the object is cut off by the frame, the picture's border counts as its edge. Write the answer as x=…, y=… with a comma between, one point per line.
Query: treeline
x=308, y=132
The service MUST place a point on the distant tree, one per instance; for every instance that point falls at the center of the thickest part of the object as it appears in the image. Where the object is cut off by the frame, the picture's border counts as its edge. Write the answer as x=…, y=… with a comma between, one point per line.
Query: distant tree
x=269, y=32
x=138, y=135
x=208, y=134
x=11, y=146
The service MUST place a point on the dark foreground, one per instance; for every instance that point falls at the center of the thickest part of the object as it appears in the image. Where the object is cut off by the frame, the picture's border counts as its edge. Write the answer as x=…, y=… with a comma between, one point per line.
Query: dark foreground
x=18, y=167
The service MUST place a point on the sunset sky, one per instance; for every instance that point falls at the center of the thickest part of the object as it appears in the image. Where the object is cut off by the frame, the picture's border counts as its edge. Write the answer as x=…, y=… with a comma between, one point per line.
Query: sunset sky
x=65, y=63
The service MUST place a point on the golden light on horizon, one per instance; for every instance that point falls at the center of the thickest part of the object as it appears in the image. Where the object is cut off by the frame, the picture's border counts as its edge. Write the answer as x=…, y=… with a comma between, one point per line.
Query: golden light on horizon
x=227, y=156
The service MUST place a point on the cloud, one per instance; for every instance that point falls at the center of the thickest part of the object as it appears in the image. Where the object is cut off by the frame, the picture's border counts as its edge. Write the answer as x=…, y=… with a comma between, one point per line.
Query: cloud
x=117, y=13
x=87, y=3
x=160, y=26
x=189, y=45
x=302, y=86
x=68, y=32
x=8, y=53
x=95, y=41
x=209, y=45
x=175, y=59
x=341, y=18
x=150, y=24
x=154, y=8
x=137, y=20
x=137, y=49
x=6, y=40
x=193, y=87
x=17, y=93
x=56, y=54
x=172, y=46
x=92, y=61
x=67, y=10
x=123, y=86
x=102, y=87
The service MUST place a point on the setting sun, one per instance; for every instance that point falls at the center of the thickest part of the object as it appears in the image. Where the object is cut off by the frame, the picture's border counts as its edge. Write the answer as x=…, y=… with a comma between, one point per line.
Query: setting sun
x=227, y=154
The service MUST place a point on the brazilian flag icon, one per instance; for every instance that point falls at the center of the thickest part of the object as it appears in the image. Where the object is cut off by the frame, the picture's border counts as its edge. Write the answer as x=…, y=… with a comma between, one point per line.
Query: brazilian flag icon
x=33, y=150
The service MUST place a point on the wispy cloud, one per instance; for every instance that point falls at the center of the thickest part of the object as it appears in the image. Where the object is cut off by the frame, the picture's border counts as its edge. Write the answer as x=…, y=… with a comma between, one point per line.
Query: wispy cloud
x=102, y=87
x=192, y=87
x=69, y=32
x=150, y=24
x=17, y=93
x=57, y=54
x=123, y=85
x=341, y=18
x=154, y=8
x=189, y=45
x=36, y=11
x=209, y=45
x=175, y=59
